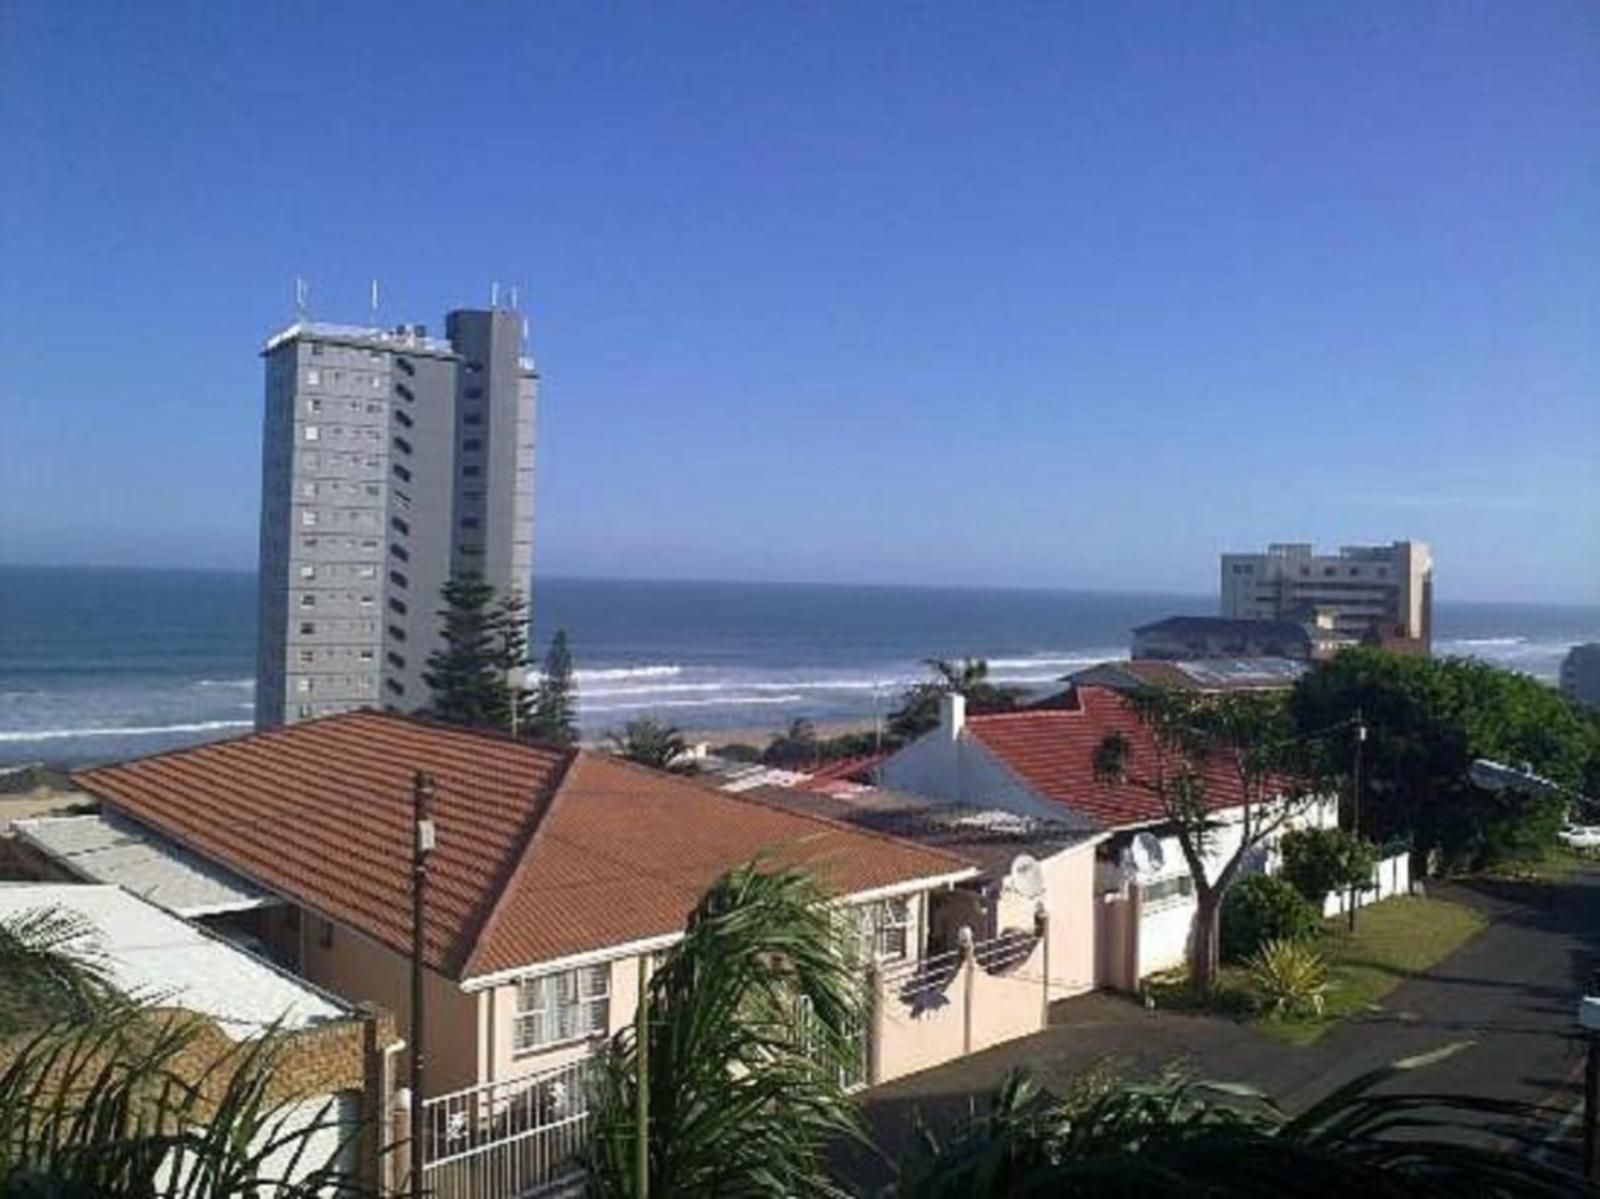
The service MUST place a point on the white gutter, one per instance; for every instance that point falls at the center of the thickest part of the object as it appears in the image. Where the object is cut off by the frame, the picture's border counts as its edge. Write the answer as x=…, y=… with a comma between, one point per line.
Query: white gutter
x=631, y=949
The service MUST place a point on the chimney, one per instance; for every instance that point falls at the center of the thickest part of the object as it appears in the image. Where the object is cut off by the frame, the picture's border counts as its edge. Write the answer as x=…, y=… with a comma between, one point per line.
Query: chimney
x=952, y=714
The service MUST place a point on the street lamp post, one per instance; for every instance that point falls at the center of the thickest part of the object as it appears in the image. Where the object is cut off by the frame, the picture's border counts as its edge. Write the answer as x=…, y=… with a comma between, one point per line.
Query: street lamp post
x=422, y=841
x=1355, y=804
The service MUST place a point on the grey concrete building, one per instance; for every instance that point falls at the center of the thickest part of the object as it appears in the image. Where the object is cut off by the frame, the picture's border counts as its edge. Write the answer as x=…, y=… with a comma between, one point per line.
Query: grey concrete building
x=390, y=460
x=1366, y=590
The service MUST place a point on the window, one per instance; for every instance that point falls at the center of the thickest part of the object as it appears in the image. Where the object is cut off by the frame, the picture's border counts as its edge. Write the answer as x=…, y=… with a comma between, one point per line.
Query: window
x=474, y=393
x=316, y=349
x=1168, y=890
x=307, y=628
x=312, y=433
x=366, y=572
x=306, y=712
x=469, y=522
x=365, y=655
x=472, y=445
x=307, y=656
x=308, y=571
x=303, y=686
x=308, y=518
x=885, y=930
x=308, y=601
x=471, y=472
x=561, y=1007
x=313, y=405
x=313, y=377
x=472, y=418
x=402, y=473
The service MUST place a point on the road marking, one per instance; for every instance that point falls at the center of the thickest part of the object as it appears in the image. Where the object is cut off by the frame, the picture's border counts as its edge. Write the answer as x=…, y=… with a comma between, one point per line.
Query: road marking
x=1558, y=1133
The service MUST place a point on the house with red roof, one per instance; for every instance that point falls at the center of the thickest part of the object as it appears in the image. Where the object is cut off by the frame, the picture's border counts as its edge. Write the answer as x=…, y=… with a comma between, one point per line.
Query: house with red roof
x=1039, y=762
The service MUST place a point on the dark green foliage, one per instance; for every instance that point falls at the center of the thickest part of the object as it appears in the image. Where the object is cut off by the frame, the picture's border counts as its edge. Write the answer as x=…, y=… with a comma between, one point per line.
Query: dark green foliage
x=485, y=645
x=649, y=743
x=1191, y=739
x=1428, y=719
x=554, y=719
x=797, y=746
x=919, y=705
x=1264, y=908
x=1183, y=1139
x=737, y=751
x=1319, y=860
x=106, y=1099
x=744, y=1095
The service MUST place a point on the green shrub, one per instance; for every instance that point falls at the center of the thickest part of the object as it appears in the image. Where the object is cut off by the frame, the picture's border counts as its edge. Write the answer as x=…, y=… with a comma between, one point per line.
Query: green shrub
x=1319, y=860
x=1290, y=978
x=1263, y=908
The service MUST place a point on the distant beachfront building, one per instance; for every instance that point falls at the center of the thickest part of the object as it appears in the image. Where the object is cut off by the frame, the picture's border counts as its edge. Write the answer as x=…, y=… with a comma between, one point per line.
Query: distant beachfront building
x=1580, y=674
x=1189, y=638
x=390, y=461
x=1367, y=590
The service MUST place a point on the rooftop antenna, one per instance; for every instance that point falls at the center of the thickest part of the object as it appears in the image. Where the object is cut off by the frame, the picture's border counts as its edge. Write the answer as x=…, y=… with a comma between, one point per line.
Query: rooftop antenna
x=494, y=294
x=524, y=330
x=375, y=303
x=302, y=295
x=513, y=296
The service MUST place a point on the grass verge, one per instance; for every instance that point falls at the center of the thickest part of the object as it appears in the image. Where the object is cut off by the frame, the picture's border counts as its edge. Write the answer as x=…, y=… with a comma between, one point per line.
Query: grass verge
x=1394, y=940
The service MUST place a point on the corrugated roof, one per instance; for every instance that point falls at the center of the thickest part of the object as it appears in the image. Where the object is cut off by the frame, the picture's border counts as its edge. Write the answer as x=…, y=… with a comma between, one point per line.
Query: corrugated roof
x=112, y=849
x=541, y=853
x=1051, y=748
x=154, y=956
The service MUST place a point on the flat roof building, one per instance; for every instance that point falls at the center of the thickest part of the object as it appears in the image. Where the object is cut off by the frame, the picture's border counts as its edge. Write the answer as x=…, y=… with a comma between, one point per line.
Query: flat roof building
x=391, y=460
x=1361, y=588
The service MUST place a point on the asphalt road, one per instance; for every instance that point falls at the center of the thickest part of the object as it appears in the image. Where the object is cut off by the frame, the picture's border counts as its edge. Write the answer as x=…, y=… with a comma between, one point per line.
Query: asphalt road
x=1511, y=992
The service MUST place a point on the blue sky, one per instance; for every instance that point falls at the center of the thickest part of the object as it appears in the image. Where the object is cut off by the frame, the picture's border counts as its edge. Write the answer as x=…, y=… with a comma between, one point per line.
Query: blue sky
x=1067, y=294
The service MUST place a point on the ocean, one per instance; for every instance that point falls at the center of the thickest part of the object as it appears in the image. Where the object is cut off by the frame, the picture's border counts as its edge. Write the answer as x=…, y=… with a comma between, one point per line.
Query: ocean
x=101, y=664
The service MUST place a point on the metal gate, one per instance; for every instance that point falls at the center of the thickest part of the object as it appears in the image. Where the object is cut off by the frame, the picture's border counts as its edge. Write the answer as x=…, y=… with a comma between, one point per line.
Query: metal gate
x=508, y=1139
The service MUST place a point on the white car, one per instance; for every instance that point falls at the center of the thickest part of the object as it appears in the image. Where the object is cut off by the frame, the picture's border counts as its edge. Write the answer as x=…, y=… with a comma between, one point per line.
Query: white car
x=1581, y=836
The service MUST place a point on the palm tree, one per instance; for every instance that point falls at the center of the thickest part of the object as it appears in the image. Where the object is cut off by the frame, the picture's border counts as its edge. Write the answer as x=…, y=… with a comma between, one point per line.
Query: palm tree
x=1181, y=1138
x=750, y=1018
x=104, y=1097
x=649, y=743
x=919, y=705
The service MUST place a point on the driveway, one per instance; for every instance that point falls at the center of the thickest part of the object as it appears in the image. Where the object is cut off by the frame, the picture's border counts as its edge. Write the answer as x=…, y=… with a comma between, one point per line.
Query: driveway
x=1512, y=991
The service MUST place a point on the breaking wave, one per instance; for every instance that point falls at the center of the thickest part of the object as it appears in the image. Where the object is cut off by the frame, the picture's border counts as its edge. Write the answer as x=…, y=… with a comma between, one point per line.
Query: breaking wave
x=17, y=736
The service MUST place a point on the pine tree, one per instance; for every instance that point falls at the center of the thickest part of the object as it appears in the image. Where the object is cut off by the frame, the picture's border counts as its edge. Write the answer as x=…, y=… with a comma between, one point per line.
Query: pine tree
x=511, y=658
x=466, y=674
x=555, y=701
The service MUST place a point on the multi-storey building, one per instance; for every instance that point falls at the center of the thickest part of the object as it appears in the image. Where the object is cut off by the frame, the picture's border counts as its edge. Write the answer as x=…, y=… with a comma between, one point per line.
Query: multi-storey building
x=390, y=461
x=1366, y=590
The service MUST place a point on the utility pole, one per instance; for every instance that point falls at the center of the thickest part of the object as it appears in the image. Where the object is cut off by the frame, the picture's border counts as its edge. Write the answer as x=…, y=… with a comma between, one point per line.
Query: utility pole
x=1355, y=803
x=421, y=845
x=641, y=1099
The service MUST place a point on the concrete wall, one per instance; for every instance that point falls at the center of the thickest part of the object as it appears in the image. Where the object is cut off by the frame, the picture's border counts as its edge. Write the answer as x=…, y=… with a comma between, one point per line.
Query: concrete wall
x=919, y=1023
x=1390, y=877
x=1069, y=898
x=360, y=969
x=499, y=1017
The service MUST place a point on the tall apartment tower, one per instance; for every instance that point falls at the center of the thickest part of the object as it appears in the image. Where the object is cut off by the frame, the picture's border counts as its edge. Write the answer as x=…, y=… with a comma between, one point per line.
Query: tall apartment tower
x=1365, y=589
x=390, y=460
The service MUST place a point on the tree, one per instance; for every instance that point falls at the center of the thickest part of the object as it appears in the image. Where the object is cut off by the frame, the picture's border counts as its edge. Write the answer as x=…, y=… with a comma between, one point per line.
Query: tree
x=485, y=640
x=750, y=1017
x=100, y=1096
x=554, y=718
x=1317, y=861
x=1177, y=1138
x=969, y=677
x=510, y=618
x=797, y=745
x=1427, y=719
x=1194, y=741
x=649, y=743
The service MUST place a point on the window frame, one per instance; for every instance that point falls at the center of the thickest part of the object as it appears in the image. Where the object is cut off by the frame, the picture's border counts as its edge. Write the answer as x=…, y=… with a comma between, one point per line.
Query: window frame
x=563, y=1007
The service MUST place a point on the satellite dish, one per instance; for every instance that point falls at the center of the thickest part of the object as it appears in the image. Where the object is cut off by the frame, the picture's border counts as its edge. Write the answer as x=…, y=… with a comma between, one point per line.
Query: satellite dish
x=1027, y=877
x=1149, y=858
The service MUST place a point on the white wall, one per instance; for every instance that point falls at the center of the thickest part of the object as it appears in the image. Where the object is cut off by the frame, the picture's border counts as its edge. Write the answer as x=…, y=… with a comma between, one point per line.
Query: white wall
x=1391, y=877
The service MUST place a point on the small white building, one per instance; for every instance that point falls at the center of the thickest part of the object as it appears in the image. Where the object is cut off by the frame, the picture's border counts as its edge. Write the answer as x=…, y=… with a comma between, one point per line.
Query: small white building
x=1040, y=762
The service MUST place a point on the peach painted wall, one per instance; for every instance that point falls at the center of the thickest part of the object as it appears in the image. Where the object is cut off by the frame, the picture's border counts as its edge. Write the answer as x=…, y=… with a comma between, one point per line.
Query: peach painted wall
x=499, y=1015
x=1069, y=899
x=359, y=968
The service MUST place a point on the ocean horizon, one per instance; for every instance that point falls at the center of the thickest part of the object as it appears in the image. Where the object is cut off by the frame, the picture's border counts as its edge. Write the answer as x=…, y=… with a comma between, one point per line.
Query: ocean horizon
x=103, y=663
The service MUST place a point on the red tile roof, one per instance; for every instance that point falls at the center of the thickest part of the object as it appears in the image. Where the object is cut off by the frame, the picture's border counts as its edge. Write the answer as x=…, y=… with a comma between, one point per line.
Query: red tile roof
x=542, y=853
x=1051, y=748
